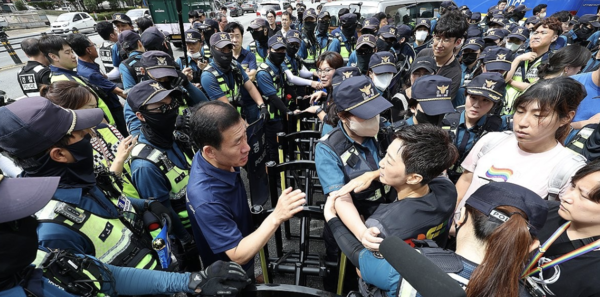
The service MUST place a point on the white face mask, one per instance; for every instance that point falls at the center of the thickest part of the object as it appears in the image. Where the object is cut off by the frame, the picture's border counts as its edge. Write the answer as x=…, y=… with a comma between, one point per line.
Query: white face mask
x=195, y=55
x=512, y=46
x=421, y=35
x=368, y=128
x=542, y=15
x=382, y=81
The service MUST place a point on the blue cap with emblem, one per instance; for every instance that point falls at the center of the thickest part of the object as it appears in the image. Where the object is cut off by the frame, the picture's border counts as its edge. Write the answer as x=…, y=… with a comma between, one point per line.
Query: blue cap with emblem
x=293, y=36
x=159, y=64
x=220, y=40
x=388, y=31
x=344, y=73
x=147, y=92
x=433, y=94
x=383, y=62
x=359, y=96
x=276, y=42
x=128, y=39
x=490, y=85
x=497, y=58
x=423, y=22
x=474, y=43
x=192, y=36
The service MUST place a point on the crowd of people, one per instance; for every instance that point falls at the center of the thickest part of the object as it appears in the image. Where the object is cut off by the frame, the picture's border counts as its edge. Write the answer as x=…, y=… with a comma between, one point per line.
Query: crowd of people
x=472, y=136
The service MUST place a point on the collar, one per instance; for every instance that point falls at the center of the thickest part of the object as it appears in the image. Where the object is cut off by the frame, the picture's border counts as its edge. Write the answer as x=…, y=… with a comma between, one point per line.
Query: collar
x=71, y=196
x=275, y=69
x=480, y=122
x=88, y=65
x=134, y=53
x=244, y=52
x=61, y=70
x=227, y=177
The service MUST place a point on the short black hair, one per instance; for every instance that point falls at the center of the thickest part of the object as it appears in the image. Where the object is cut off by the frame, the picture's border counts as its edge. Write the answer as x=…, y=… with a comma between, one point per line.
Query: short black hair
x=232, y=26
x=105, y=29
x=143, y=24
x=563, y=16
x=52, y=44
x=31, y=47
x=209, y=120
x=427, y=150
x=539, y=8
x=79, y=43
x=223, y=8
x=380, y=16
x=451, y=24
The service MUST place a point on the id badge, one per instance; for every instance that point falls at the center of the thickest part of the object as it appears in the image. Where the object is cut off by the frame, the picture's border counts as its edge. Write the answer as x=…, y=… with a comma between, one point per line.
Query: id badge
x=124, y=204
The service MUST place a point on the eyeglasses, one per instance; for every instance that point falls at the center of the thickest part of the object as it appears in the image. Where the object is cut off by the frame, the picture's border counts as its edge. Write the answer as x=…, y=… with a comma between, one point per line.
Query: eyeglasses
x=226, y=49
x=323, y=71
x=165, y=107
x=534, y=33
x=437, y=39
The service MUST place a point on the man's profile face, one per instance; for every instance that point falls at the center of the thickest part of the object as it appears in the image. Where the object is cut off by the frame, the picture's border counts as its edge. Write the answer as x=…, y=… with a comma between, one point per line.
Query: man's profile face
x=123, y=27
x=234, y=146
x=66, y=58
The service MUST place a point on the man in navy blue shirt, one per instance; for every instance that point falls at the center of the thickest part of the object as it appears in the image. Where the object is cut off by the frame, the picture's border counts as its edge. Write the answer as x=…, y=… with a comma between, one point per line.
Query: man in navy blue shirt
x=86, y=67
x=216, y=199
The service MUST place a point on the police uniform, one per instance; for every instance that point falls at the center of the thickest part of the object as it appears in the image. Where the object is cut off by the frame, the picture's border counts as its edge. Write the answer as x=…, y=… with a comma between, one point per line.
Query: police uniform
x=473, y=43
x=323, y=37
x=259, y=50
x=32, y=76
x=341, y=43
x=192, y=35
x=294, y=64
x=428, y=41
x=309, y=52
x=131, y=69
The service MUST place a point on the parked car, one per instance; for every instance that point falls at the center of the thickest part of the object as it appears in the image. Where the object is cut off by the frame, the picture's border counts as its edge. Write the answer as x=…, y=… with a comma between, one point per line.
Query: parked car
x=264, y=6
x=249, y=5
x=234, y=9
x=66, y=22
x=135, y=14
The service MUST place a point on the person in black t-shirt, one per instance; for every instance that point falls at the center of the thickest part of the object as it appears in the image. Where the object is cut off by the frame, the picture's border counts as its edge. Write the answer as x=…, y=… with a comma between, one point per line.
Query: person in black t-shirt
x=448, y=35
x=580, y=206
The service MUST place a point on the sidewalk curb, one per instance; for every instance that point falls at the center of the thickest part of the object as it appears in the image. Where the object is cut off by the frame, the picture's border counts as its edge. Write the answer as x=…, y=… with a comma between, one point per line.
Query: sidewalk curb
x=11, y=67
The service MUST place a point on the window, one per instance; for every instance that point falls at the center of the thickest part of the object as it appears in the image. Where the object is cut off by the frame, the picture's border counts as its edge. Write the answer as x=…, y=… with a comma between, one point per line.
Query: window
x=408, y=14
x=85, y=15
x=77, y=18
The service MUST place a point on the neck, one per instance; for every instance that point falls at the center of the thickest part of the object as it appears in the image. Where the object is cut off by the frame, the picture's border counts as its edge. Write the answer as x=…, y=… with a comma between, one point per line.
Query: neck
x=419, y=43
x=469, y=122
x=86, y=59
x=468, y=246
x=539, y=146
x=540, y=51
x=582, y=230
x=412, y=191
x=358, y=139
x=216, y=164
x=236, y=51
x=553, y=75
x=445, y=60
x=40, y=59
x=60, y=66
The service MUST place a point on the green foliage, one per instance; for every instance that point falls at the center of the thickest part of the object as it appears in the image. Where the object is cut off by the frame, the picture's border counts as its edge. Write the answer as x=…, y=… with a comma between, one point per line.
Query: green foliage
x=20, y=5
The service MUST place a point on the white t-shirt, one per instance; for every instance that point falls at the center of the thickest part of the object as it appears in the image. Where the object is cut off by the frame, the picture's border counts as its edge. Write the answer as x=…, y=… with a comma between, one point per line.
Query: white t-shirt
x=508, y=163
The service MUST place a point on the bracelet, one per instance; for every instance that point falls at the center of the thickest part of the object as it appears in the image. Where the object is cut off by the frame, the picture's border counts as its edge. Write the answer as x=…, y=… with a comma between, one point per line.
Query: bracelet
x=319, y=109
x=261, y=106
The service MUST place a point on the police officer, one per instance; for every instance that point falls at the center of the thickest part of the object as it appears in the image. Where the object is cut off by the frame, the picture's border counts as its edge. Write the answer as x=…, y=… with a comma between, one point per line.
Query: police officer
x=259, y=28
x=62, y=62
x=382, y=68
x=423, y=38
x=36, y=72
x=207, y=28
x=322, y=33
x=79, y=217
x=470, y=64
x=109, y=34
x=123, y=23
x=478, y=116
x=27, y=270
x=345, y=36
x=365, y=48
x=225, y=80
x=296, y=66
x=405, y=54
x=310, y=40
x=131, y=69
x=195, y=60
x=370, y=26
x=433, y=100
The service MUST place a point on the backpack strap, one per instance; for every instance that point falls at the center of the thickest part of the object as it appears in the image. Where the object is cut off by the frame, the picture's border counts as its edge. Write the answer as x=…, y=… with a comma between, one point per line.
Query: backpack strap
x=498, y=138
x=563, y=171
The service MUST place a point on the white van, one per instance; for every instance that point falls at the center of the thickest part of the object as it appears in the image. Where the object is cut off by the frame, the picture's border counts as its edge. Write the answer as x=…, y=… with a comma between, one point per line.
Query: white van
x=66, y=22
x=401, y=11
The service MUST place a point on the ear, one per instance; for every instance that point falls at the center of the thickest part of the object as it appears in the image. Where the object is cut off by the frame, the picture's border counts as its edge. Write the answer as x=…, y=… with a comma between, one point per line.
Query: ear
x=462, y=219
x=208, y=152
x=53, y=57
x=458, y=41
x=402, y=40
x=59, y=155
x=568, y=119
x=414, y=179
x=140, y=116
x=143, y=70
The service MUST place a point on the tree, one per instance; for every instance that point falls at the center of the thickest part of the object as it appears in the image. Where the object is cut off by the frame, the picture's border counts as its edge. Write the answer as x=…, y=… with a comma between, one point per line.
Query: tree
x=90, y=5
x=20, y=5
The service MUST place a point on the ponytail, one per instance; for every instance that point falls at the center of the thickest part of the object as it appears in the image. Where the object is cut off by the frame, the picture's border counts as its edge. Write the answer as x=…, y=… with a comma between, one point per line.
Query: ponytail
x=506, y=253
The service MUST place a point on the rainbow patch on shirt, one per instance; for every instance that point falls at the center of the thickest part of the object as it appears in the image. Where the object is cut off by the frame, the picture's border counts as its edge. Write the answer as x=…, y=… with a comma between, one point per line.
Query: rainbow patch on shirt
x=501, y=173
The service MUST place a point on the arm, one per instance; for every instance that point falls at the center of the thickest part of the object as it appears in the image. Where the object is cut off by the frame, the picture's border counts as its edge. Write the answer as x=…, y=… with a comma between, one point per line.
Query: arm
x=123, y=152
x=462, y=185
x=593, y=120
x=305, y=73
x=252, y=66
x=126, y=77
x=114, y=74
x=301, y=81
x=149, y=181
x=348, y=244
x=117, y=91
x=195, y=94
x=116, y=58
x=253, y=91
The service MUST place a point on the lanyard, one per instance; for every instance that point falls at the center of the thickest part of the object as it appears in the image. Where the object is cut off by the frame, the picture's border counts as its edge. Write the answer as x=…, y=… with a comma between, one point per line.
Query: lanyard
x=564, y=258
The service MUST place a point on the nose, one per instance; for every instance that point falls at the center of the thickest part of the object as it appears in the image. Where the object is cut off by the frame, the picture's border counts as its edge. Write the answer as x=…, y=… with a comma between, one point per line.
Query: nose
x=524, y=120
x=245, y=148
x=567, y=197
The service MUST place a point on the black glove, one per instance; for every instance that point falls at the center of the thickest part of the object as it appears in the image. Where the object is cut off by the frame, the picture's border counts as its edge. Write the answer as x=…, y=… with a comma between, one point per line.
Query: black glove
x=160, y=211
x=220, y=278
x=264, y=111
x=180, y=80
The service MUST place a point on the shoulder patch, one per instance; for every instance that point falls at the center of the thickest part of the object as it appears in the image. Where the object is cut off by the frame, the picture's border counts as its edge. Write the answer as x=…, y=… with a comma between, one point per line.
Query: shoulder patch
x=38, y=68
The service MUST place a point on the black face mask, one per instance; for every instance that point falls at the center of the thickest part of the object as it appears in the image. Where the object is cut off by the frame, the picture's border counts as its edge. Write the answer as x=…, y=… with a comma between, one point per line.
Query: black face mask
x=207, y=35
x=276, y=58
x=309, y=31
x=469, y=58
x=291, y=50
x=159, y=127
x=322, y=27
x=300, y=15
x=18, y=247
x=362, y=61
x=583, y=33
x=489, y=43
x=223, y=60
x=349, y=30
x=72, y=175
x=423, y=118
x=382, y=45
x=260, y=36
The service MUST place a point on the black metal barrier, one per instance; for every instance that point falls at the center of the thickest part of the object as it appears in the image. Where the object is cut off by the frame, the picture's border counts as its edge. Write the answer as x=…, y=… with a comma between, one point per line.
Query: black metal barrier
x=275, y=290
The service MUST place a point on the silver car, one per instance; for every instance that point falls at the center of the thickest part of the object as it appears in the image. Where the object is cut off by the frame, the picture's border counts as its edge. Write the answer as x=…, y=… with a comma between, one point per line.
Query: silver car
x=249, y=5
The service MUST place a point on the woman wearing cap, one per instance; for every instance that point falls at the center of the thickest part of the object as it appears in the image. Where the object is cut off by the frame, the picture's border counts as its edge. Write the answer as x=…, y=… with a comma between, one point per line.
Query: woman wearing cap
x=496, y=232
x=575, y=223
x=524, y=68
x=111, y=150
x=421, y=34
x=483, y=96
x=532, y=155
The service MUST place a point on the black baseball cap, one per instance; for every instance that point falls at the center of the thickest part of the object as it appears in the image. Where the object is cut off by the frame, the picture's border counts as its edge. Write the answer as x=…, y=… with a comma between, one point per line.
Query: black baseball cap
x=591, y=19
x=153, y=39
x=433, y=93
x=309, y=13
x=366, y=39
x=495, y=34
x=159, y=64
x=447, y=4
x=519, y=32
x=128, y=39
x=474, y=43
x=490, y=85
x=468, y=13
x=324, y=14
x=383, y=62
x=370, y=23
x=423, y=22
x=497, y=58
x=276, y=42
x=348, y=19
x=293, y=36
x=498, y=21
x=474, y=31
x=476, y=16
x=193, y=36
x=532, y=20
x=121, y=18
x=521, y=8
x=388, y=31
x=220, y=39
x=425, y=62
x=23, y=197
x=32, y=125
x=403, y=31
x=148, y=92
x=344, y=73
x=493, y=195
x=212, y=24
x=366, y=105
x=258, y=23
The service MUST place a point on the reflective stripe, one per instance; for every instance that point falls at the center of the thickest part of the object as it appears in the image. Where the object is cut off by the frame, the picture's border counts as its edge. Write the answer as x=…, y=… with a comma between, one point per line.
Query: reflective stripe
x=276, y=84
x=253, y=49
x=223, y=84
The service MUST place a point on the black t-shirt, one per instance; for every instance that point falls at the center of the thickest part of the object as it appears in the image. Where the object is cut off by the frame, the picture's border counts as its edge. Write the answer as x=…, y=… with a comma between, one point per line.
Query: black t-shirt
x=579, y=276
x=451, y=71
x=418, y=217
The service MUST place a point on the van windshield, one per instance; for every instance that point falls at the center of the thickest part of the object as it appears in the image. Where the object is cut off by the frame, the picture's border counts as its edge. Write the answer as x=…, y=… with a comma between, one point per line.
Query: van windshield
x=64, y=18
x=399, y=14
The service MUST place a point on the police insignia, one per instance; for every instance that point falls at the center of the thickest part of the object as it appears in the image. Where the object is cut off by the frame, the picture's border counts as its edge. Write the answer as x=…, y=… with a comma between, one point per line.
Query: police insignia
x=161, y=61
x=489, y=84
x=157, y=86
x=366, y=91
x=385, y=59
x=501, y=56
x=442, y=90
x=347, y=74
x=224, y=36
